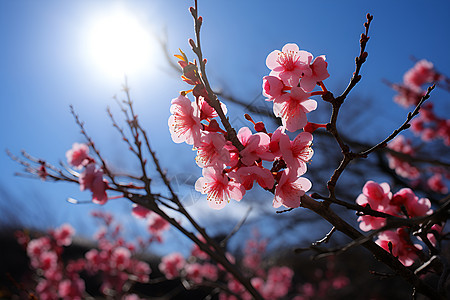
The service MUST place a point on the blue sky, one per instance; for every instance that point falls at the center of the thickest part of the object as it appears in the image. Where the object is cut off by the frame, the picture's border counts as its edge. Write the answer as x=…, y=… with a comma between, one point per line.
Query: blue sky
x=46, y=65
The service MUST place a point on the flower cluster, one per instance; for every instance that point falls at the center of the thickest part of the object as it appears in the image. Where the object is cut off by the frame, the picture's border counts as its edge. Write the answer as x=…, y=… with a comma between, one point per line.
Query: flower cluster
x=45, y=256
x=273, y=283
x=227, y=172
x=92, y=176
x=292, y=78
x=401, y=166
x=60, y=279
x=410, y=92
x=427, y=125
x=403, y=204
x=324, y=283
x=114, y=259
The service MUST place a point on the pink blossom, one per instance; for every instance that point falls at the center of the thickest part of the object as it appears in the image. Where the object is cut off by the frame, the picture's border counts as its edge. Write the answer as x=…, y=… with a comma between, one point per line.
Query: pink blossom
x=48, y=260
x=156, y=224
x=414, y=206
x=402, y=247
x=63, y=235
x=256, y=146
x=436, y=183
x=46, y=290
x=408, y=95
x=78, y=155
x=298, y=152
x=72, y=288
x=401, y=167
x=272, y=87
x=87, y=177
x=141, y=270
x=184, y=123
x=278, y=282
x=234, y=154
x=209, y=271
x=139, y=211
x=207, y=111
x=247, y=175
x=120, y=258
x=292, y=108
x=443, y=130
x=219, y=188
x=340, y=282
x=92, y=178
x=370, y=223
x=194, y=272
x=376, y=195
x=289, y=189
x=253, y=251
x=37, y=246
x=172, y=264
x=98, y=188
x=428, y=134
x=289, y=64
x=212, y=151
x=274, y=145
x=319, y=73
x=435, y=230
x=422, y=72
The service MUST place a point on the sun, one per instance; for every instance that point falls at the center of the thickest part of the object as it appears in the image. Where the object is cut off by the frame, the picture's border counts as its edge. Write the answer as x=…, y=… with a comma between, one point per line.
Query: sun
x=118, y=44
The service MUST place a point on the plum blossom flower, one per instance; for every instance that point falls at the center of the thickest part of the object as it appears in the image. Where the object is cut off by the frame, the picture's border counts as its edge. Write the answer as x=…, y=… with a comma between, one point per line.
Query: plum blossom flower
x=422, y=72
x=256, y=146
x=92, y=179
x=172, y=264
x=63, y=235
x=156, y=224
x=38, y=246
x=374, y=194
x=289, y=189
x=402, y=247
x=274, y=145
x=211, y=150
x=298, y=152
x=207, y=111
x=401, y=167
x=184, y=123
x=141, y=270
x=193, y=272
x=219, y=188
x=209, y=271
x=139, y=211
x=436, y=183
x=407, y=95
x=247, y=175
x=72, y=288
x=370, y=223
x=78, y=156
x=319, y=73
x=120, y=258
x=289, y=64
x=414, y=206
x=272, y=87
x=292, y=108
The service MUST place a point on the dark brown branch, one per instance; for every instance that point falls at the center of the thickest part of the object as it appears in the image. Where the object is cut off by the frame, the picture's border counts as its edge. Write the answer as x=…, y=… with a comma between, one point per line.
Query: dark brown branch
x=213, y=100
x=325, y=212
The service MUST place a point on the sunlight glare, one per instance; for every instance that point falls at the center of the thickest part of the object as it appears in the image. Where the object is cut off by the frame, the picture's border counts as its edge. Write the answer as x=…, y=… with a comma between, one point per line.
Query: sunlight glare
x=118, y=44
